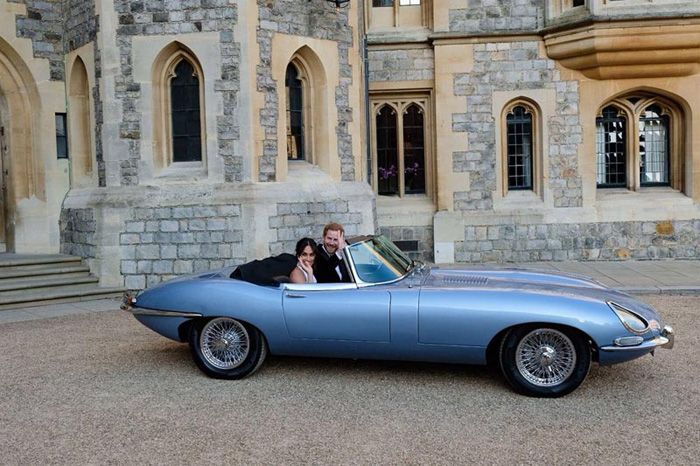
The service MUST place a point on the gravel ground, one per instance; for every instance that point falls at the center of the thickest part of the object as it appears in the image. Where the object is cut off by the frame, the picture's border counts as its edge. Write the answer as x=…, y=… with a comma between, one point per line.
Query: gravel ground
x=101, y=388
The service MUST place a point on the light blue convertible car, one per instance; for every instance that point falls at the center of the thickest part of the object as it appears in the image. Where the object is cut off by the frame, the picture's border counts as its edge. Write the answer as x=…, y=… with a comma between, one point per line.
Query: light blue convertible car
x=542, y=329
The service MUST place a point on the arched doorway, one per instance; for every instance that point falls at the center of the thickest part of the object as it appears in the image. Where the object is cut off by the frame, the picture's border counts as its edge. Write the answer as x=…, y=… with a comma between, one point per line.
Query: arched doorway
x=21, y=174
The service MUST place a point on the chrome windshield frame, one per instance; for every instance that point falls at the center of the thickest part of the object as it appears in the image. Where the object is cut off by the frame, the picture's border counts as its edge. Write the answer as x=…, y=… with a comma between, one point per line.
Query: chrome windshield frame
x=353, y=271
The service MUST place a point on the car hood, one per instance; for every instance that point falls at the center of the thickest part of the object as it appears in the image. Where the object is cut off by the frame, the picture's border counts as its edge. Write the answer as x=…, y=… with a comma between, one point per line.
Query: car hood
x=532, y=281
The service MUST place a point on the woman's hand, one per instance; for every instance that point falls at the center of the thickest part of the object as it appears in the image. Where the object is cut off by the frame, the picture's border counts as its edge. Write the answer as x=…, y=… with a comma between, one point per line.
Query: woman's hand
x=306, y=266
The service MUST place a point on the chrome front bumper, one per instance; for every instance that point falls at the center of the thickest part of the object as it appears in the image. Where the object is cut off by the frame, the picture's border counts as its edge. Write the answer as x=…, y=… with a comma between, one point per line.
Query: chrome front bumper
x=664, y=340
x=129, y=305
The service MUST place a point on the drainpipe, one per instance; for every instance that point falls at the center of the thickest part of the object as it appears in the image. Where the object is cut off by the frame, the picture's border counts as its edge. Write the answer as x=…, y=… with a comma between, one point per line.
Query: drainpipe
x=368, y=145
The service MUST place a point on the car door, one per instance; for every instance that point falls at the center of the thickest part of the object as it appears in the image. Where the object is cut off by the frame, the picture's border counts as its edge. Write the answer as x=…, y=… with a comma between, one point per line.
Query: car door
x=337, y=311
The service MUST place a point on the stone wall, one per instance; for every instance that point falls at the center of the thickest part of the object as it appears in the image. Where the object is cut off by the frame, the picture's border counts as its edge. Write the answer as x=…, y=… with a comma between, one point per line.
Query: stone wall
x=78, y=228
x=507, y=66
x=80, y=23
x=497, y=16
x=99, y=119
x=296, y=220
x=161, y=243
x=568, y=241
x=318, y=20
x=163, y=17
x=401, y=65
x=43, y=24
x=416, y=241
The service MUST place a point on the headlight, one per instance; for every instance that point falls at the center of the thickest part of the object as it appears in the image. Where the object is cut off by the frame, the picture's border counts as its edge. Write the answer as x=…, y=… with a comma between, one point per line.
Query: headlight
x=632, y=322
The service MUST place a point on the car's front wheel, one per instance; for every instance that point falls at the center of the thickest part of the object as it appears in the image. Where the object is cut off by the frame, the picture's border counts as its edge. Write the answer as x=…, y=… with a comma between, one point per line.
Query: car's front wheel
x=544, y=361
x=225, y=348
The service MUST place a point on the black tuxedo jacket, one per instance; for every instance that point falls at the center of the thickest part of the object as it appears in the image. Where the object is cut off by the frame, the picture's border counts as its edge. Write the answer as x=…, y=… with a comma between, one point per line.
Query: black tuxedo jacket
x=324, y=268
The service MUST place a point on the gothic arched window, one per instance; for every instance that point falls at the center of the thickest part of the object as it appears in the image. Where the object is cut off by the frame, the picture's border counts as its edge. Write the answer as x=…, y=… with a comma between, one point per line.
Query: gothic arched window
x=185, y=114
x=295, y=114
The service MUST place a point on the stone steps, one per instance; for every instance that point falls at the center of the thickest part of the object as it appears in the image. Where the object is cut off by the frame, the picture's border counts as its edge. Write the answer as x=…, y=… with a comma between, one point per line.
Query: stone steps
x=32, y=280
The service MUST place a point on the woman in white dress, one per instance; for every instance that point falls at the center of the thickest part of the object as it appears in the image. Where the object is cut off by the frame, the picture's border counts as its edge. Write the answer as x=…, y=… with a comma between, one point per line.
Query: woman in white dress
x=306, y=254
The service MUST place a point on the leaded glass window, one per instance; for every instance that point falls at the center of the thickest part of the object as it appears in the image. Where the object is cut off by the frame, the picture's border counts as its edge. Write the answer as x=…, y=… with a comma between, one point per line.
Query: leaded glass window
x=414, y=150
x=61, y=136
x=611, y=148
x=295, y=114
x=387, y=152
x=653, y=147
x=186, y=123
x=519, y=134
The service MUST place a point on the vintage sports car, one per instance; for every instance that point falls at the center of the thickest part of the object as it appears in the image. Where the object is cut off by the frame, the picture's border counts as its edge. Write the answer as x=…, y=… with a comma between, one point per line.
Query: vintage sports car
x=542, y=329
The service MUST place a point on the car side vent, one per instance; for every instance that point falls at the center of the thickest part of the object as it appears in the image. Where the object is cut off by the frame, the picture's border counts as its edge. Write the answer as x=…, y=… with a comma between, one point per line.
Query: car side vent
x=471, y=280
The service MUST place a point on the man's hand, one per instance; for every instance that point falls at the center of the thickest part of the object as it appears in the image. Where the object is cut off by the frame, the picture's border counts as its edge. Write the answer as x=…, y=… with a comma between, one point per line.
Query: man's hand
x=341, y=242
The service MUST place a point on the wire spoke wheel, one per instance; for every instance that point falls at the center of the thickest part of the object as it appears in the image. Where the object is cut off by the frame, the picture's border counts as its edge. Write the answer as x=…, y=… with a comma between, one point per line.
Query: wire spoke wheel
x=545, y=357
x=224, y=343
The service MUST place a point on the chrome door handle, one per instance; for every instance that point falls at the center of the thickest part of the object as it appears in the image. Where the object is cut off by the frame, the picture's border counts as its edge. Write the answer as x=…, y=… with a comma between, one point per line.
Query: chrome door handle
x=292, y=295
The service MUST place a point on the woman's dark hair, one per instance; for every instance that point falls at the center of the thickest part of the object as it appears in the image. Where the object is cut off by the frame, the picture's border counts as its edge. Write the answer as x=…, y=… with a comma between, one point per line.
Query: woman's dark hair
x=302, y=243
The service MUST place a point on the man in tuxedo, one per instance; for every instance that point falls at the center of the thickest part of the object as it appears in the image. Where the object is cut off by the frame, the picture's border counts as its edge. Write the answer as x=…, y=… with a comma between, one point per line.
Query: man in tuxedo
x=329, y=266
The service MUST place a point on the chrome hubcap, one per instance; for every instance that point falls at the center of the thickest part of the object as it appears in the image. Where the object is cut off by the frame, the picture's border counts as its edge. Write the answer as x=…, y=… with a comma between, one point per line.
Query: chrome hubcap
x=224, y=343
x=545, y=357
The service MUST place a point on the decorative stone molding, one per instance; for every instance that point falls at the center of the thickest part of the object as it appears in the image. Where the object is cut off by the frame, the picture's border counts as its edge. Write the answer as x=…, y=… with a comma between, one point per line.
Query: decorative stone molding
x=628, y=50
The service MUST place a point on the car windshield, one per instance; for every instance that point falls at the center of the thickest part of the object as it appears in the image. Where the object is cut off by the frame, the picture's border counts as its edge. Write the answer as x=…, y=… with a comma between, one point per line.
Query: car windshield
x=379, y=260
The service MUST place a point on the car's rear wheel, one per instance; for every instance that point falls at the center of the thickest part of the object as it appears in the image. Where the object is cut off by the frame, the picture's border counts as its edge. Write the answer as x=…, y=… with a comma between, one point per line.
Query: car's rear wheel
x=544, y=361
x=225, y=348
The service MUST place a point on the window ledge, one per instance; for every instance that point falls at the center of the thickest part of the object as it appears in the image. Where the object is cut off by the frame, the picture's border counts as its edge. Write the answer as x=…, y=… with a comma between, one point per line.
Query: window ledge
x=413, y=209
x=520, y=200
x=183, y=171
x=653, y=193
x=618, y=204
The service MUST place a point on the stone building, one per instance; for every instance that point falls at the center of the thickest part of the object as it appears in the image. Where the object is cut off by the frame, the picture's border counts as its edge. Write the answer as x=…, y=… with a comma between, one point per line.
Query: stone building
x=163, y=137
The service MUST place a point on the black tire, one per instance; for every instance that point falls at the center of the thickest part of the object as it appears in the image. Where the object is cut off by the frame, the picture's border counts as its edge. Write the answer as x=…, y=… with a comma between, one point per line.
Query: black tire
x=225, y=348
x=543, y=361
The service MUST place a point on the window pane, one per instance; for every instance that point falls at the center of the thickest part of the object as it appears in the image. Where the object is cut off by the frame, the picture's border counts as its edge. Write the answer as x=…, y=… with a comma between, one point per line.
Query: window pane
x=519, y=131
x=61, y=136
x=409, y=2
x=611, y=149
x=379, y=3
x=387, y=152
x=186, y=123
x=295, y=116
x=653, y=146
x=413, y=150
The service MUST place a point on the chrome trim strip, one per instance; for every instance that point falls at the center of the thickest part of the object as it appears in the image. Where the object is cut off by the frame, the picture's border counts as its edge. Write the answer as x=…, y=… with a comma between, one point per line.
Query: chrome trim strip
x=139, y=311
x=612, y=304
x=649, y=345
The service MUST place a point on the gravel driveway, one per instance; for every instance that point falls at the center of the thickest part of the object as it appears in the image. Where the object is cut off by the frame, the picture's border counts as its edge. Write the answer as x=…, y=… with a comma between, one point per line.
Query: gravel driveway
x=101, y=388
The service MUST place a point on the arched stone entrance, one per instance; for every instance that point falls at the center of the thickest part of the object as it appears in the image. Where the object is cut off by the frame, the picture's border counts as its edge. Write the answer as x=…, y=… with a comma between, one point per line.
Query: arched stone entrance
x=21, y=177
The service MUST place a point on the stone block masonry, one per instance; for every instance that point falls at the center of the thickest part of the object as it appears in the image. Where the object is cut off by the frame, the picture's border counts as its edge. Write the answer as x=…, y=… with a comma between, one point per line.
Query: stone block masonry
x=591, y=241
x=169, y=17
x=78, y=228
x=296, y=220
x=401, y=65
x=509, y=66
x=161, y=243
x=416, y=241
x=497, y=15
x=307, y=19
x=43, y=24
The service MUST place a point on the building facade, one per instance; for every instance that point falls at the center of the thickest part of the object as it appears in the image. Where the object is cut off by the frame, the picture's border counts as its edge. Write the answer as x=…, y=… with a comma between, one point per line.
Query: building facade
x=551, y=130
x=161, y=137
